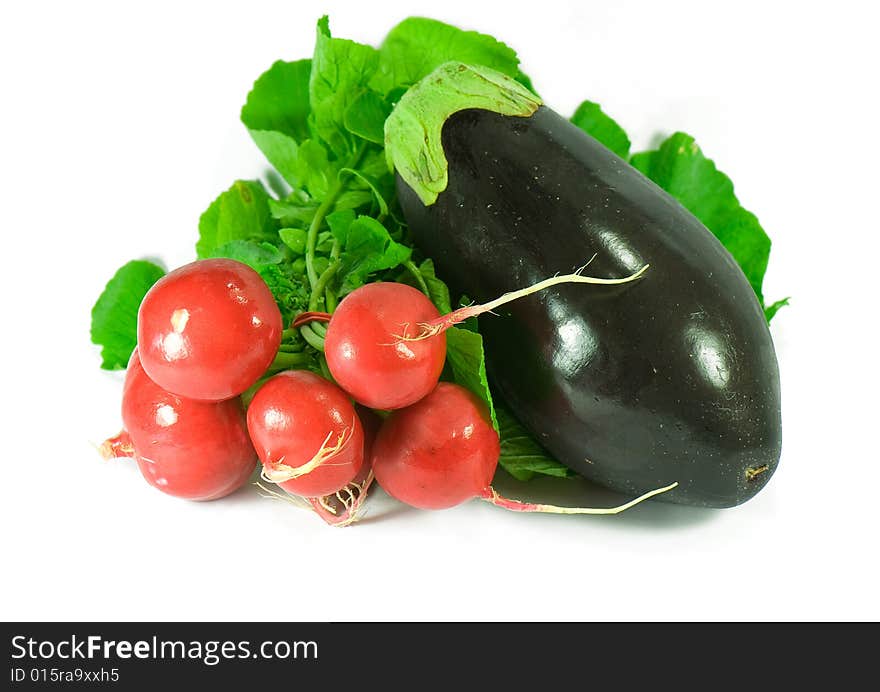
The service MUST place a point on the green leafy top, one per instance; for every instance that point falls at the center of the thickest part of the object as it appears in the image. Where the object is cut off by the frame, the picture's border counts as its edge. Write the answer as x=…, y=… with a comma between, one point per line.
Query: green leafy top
x=114, y=316
x=467, y=360
x=413, y=130
x=276, y=114
x=240, y=213
x=521, y=455
x=279, y=100
x=340, y=71
x=416, y=46
x=592, y=120
x=681, y=169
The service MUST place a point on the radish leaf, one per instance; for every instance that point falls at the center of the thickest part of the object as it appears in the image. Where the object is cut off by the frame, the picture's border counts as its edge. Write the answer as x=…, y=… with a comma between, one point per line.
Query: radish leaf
x=680, y=168
x=465, y=356
x=416, y=46
x=340, y=71
x=438, y=291
x=276, y=114
x=521, y=456
x=367, y=248
x=279, y=100
x=366, y=115
x=256, y=255
x=592, y=120
x=114, y=316
x=240, y=213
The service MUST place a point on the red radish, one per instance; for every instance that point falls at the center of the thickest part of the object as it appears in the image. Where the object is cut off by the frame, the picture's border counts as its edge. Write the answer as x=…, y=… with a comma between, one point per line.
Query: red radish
x=439, y=452
x=306, y=433
x=443, y=451
x=385, y=343
x=343, y=507
x=367, y=358
x=186, y=448
x=208, y=330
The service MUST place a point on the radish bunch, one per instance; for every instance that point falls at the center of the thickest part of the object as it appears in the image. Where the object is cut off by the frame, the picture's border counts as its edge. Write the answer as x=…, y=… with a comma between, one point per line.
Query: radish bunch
x=211, y=330
x=206, y=333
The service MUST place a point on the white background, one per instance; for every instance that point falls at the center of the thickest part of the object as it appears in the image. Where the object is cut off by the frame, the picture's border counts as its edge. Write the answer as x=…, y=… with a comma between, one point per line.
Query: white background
x=120, y=125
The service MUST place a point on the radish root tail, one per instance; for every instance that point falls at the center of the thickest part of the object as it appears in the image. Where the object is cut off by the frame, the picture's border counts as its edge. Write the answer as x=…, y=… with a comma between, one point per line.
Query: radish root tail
x=492, y=496
x=431, y=329
x=351, y=497
x=279, y=472
x=294, y=500
x=117, y=447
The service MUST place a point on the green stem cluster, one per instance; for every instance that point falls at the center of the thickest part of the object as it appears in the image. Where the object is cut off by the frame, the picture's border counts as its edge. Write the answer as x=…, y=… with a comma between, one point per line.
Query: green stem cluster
x=315, y=226
x=312, y=339
x=320, y=284
x=417, y=275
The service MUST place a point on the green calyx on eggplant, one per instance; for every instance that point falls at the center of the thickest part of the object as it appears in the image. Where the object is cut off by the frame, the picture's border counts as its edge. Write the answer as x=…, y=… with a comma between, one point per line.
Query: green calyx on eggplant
x=670, y=378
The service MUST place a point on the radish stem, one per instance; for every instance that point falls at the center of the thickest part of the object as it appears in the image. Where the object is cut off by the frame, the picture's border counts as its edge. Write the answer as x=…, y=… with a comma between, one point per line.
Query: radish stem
x=311, y=338
x=306, y=317
x=284, y=360
x=318, y=220
x=444, y=322
x=314, y=227
x=321, y=285
x=417, y=275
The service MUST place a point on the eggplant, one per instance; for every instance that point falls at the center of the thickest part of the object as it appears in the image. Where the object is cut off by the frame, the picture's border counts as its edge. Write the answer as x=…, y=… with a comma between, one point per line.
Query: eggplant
x=670, y=378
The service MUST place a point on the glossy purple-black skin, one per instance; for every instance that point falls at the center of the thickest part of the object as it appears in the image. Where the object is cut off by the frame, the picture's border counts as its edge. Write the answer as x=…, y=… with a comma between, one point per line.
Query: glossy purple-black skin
x=671, y=378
